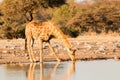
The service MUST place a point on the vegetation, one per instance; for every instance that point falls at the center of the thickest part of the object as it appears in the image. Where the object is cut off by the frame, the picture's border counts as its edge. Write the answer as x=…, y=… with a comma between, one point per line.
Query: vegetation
x=73, y=18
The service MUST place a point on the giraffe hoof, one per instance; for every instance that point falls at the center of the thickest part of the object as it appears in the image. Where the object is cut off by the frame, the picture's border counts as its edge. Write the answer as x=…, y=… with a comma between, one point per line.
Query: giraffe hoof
x=58, y=60
x=41, y=61
x=72, y=59
x=30, y=60
x=34, y=60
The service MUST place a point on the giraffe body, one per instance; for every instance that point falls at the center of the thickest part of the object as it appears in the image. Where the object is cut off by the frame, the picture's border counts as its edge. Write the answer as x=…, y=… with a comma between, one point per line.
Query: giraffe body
x=37, y=31
x=44, y=31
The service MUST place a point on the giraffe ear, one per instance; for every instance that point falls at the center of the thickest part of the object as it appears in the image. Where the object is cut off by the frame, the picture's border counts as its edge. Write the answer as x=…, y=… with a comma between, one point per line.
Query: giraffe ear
x=35, y=23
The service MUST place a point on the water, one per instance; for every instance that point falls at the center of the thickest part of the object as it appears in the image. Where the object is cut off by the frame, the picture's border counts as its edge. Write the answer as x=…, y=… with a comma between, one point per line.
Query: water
x=80, y=70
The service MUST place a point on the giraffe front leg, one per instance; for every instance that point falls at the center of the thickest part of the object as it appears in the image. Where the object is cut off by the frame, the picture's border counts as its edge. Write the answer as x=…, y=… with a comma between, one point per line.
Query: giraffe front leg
x=53, y=51
x=41, y=51
x=72, y=54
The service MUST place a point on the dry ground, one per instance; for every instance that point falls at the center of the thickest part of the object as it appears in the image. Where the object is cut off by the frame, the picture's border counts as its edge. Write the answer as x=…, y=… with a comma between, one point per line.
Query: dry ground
x=87, y=48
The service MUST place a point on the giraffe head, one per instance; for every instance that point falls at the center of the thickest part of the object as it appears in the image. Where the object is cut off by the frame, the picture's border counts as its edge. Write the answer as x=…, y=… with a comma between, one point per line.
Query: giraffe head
x=72, y=51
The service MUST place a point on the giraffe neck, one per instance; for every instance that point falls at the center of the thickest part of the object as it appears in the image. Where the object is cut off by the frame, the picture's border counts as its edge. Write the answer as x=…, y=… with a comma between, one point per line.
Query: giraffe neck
x=60, y=35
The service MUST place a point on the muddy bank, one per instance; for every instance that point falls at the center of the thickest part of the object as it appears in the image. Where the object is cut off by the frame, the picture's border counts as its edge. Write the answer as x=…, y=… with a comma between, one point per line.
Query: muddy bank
x=87, y=48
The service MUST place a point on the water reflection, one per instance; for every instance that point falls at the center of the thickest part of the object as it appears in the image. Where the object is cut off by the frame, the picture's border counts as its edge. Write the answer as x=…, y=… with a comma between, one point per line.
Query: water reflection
x=31, y=70
x=51, y=72
x=83, y=70
x=65, y=76
x=69, y=72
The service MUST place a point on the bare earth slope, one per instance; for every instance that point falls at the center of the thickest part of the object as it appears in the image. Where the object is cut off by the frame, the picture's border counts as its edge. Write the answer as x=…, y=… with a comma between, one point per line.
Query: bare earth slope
x=87, y=48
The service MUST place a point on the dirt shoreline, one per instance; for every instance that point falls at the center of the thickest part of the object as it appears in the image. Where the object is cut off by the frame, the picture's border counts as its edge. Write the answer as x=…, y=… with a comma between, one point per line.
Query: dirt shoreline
x=87, y=48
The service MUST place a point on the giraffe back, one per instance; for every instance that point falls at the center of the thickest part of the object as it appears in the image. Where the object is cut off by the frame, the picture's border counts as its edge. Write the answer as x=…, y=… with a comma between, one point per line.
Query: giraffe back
x=42, y=30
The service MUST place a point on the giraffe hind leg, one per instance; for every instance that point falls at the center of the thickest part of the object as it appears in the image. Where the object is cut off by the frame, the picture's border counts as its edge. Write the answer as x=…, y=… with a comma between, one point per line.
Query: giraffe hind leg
x=30, y=50
x=32, y=53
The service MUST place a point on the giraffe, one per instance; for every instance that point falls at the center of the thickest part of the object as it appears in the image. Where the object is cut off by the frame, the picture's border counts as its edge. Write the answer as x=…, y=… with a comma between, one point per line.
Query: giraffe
x=44, y=32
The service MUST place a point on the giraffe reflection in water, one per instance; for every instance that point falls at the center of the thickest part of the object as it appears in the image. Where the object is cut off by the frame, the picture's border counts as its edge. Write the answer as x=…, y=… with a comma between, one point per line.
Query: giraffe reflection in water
x=31, y=70
x=65, y=76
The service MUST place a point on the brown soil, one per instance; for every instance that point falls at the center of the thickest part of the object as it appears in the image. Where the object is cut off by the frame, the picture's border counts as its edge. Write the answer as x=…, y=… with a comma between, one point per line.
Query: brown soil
x=87, y=48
